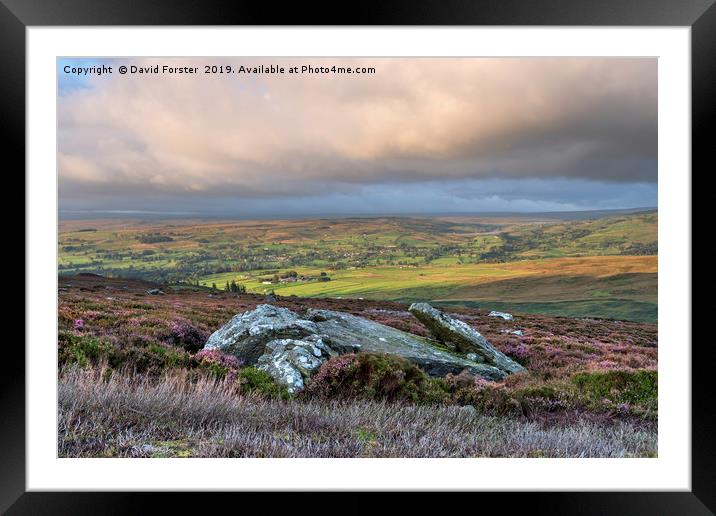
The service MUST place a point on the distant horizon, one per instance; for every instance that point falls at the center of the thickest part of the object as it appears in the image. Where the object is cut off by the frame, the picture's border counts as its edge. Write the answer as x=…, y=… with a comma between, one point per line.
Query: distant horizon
x=158, y=215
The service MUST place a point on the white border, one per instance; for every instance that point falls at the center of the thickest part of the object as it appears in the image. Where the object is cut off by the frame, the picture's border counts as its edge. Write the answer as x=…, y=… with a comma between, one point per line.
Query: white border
x=671, y=470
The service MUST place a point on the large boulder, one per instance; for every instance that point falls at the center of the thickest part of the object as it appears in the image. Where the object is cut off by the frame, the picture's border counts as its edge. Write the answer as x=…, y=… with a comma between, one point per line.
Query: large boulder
x=291, y=361
x=462, y=337
x=291, y=347
x=347, y=333
x=246, y=335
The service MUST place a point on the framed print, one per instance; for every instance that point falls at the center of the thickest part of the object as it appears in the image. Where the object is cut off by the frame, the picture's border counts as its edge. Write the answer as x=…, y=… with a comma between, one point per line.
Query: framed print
x=442, y=249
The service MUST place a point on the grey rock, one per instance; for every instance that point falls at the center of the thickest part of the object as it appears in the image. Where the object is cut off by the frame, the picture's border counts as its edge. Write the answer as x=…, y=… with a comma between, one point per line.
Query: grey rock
x=463, y=337
x=154, y=292
x=291, y=347
x=348, y=333
x=246, y=335
x=504, y=315
x=290, y=362
x=283, y=372
x=397, y=313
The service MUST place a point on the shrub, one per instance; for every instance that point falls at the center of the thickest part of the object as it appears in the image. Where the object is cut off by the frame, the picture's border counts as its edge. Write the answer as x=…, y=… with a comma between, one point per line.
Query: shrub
x=151, y=357
x=332, y=374
x=83, y=350
x=500, y=400
x=375, y=376
x=217, y=363
x=465, y=388
x=187, y=336
x=517, y=351
x=625, y=390
x=254, y=381
x=171, y=357
x=247, y=380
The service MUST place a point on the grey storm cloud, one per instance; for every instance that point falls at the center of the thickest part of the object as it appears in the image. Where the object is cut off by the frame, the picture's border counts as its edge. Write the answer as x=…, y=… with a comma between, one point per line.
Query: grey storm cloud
x=455, y=196
x=415, y=120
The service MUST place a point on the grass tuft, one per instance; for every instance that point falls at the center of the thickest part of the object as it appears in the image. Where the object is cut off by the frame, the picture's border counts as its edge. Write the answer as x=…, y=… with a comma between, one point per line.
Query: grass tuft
x=104, y=413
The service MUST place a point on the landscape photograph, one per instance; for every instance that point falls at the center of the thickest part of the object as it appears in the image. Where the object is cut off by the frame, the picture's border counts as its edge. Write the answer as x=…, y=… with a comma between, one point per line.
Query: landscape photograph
x=357, y=257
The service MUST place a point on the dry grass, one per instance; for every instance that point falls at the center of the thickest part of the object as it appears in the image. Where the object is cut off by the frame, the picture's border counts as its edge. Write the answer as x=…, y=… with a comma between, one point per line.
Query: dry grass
x=110, y=414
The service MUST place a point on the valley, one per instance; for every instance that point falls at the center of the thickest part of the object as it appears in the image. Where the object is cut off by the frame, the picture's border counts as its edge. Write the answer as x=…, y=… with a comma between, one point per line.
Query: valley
x=600, y=267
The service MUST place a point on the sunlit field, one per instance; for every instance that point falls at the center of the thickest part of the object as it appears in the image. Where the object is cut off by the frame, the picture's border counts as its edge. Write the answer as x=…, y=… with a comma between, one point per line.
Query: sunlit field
x=605, y=267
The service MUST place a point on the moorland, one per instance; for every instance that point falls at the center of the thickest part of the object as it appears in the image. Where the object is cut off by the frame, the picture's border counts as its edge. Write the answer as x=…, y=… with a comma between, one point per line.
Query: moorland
x=135, y=382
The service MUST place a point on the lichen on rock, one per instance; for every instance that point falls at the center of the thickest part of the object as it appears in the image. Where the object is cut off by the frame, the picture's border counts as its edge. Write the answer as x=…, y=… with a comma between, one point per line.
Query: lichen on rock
x=291, y=347
x=463, y=337
x=246, y=335
x=291, y=361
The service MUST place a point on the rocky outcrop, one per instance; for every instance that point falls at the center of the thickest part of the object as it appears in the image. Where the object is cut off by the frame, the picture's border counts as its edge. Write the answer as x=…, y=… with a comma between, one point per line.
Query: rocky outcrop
x=348, y=333
x=462, y=337
x=291, y=347
x=290, y=361
x=246, y=335
x=504, y=315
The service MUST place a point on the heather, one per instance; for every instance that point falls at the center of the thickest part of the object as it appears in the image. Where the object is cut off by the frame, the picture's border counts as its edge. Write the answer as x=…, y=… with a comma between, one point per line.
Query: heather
x=375, y=376
x=120, y=312
x=106, y=413
x=579, y=372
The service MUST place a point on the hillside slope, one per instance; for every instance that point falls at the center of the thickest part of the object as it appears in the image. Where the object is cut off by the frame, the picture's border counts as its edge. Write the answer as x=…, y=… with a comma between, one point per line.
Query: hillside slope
x=600, y=267
x=132, y=385
x=122, y=311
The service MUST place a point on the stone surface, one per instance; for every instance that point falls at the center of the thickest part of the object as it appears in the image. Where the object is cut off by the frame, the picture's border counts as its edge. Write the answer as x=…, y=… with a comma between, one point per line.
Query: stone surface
x=290, y=362
x=348, y=333
x=291, y=347
x=463, y=337
x=246, y=335
x=504, y=315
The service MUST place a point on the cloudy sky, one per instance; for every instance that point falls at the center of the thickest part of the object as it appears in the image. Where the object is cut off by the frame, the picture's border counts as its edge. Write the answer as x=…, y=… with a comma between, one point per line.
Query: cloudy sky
x=417, y=136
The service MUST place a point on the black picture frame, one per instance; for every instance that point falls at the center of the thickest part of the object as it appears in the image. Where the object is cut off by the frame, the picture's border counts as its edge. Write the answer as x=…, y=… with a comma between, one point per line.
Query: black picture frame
x=17, y=15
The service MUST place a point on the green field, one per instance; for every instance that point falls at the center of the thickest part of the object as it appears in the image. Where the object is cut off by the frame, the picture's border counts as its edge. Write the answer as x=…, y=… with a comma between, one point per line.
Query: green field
x=622, y=287
x=601, y=267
